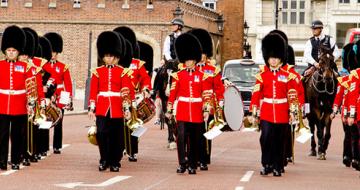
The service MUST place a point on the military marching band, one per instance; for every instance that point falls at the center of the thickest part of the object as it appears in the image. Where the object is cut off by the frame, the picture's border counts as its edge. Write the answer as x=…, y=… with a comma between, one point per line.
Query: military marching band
x=36, y=88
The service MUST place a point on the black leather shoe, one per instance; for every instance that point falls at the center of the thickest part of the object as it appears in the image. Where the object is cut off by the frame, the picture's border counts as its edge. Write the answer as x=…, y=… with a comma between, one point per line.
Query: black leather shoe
x=355, y=164
x=3, y=166
x=312, y=152
x=191, y=170
x=289, y=160
x=38, y=156
x=181, y=169
x=346, y=161
x=265, y=171
x=57, y=151
x=276, y=173
x=15, y=166
x=203, y=167
x=103, y=167
x=33, y=159
x=114, y=168
x=43, y=154
x=26, y=162
x=132, y=159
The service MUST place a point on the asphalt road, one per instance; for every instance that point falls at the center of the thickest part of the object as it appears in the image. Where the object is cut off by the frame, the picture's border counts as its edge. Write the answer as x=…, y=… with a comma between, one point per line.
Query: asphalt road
x=235, y=166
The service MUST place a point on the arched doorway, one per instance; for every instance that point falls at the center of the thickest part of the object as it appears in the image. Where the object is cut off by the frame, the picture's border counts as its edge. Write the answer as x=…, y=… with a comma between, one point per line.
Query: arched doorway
x=147, y=55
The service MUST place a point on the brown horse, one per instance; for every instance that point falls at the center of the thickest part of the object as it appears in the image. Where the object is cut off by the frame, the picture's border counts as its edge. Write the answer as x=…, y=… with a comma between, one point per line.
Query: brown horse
x=320, y=91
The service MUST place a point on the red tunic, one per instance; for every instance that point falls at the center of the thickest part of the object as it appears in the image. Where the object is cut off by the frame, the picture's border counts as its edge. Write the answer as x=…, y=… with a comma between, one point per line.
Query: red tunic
x=108, y=88
x=34, y=71
x=300, y=87
x=354, y=90
x=59, y=72
x=12, y=88
x=140, y=78
x=342, y=95
x=272, y=88
x=188, y=87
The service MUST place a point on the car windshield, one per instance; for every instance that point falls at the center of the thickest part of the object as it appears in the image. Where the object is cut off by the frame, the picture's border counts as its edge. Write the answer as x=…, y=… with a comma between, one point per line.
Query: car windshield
x=241, y=73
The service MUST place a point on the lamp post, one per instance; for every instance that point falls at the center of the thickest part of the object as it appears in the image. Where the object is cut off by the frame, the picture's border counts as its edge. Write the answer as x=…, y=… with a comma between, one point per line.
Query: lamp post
x=246, y=45
x=178, y=13
x=220, y=22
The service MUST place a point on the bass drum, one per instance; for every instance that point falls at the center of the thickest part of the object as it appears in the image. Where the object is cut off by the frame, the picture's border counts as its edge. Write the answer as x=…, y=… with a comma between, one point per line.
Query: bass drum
x=145, y=108
x=233, y=108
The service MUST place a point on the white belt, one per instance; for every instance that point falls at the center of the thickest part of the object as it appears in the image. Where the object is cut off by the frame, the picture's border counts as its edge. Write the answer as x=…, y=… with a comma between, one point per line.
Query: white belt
x=109, y=93
x=188, y=99
x=60, y=86
x=275, y=101
x=15, y=92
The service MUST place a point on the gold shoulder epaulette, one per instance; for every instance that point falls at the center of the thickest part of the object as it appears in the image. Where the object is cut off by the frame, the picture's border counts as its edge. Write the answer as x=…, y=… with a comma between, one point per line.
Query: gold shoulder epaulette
x=66, y=67
x=258, y=77
x=205, y=76
x=38, y=69
x=127, y=71
x=94, y=72
x=141, y=63
x=217, y=71
x=181, y=66
x=175, y=75
x=43, y=62
x=289, y=67
x=340, y=79
x=354, y=73
x=28, y=66
x=262, y=68
x=292, y=76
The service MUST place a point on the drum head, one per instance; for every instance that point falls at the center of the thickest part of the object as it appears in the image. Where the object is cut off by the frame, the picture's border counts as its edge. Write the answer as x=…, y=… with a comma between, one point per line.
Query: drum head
x=233, y=108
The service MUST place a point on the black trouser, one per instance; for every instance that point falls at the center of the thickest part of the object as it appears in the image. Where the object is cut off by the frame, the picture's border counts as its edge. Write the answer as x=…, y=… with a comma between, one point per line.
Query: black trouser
x=205, y=145
x=43, y=140
x=288, y=143
x=347, y=141
x=271, y=141
x=188, y=135
x=58, y=133
x=131, y=142
x=18, y=124
x=110, y=134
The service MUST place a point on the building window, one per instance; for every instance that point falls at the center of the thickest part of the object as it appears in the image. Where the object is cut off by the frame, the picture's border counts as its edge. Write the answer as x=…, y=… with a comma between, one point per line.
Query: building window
x=293, y=14
x=76, y=4
x=345, y=1
x=211, y=4
x=4, y=3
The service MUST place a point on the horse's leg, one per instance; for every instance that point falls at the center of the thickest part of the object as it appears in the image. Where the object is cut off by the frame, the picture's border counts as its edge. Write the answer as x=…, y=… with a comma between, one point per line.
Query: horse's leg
x=321, y=138
x=327, y=125
x=311, y=120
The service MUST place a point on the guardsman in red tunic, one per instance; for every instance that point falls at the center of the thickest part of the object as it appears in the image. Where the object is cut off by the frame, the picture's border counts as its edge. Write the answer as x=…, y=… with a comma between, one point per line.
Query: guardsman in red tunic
x=353, y=107
x=35, y=92
x=60, y=75
x=140, y=79
x=212, y=74
x=272, y=87
x=189, y=88
x=13, y=111
x=44, y=53
x=110, y=100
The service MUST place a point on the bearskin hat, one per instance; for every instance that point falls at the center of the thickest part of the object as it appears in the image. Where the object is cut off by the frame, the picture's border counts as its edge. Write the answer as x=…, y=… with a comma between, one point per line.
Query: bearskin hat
x=35, y=36
x=109, y=42
x=46, y=49
x=188, y=47
x=290, y=55
x=14, y=37
x=126, y=61
x=29, y=45
x=273, y=45
x=129, y=35
x=56, y=41
x=349, y=56
x=281, y=33
x=205, y=40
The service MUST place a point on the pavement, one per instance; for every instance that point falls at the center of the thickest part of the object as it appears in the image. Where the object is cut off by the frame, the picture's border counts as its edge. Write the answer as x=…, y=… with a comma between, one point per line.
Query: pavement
x=235, y=165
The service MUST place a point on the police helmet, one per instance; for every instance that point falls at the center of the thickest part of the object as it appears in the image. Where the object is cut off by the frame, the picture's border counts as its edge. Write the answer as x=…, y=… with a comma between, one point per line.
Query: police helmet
x=178, y=21
x=317, y=24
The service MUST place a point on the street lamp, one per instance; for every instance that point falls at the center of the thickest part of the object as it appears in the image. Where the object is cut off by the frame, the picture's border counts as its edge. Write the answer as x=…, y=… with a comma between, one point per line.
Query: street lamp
x=220, y=22
x=178, y=13
x=246, y=45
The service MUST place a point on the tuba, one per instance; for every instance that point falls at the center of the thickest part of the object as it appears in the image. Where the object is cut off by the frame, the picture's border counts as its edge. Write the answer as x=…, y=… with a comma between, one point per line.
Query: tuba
x=218, y=120
x=134, y=121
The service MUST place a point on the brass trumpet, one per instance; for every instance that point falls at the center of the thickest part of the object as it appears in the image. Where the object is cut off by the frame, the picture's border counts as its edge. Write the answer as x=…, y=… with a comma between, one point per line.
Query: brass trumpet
x=218, y=120
x=134, y=122
x=296, y=111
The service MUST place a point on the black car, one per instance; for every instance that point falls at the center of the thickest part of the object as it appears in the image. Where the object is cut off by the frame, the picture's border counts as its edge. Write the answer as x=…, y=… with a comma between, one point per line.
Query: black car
x=242, y=73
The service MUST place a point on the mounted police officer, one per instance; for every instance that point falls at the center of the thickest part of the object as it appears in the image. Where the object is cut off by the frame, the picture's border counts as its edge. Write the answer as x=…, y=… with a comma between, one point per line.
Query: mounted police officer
x=168, y=49
x=312, y=47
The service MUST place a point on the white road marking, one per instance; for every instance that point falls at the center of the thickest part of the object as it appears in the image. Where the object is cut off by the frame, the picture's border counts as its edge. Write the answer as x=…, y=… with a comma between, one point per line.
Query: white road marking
x=239, y=188
x=108, y=182
x=247, y=176
x=21, y=166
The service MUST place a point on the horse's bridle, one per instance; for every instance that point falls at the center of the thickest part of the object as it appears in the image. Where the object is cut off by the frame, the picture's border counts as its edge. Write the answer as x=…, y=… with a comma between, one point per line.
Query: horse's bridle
x=315, y=81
